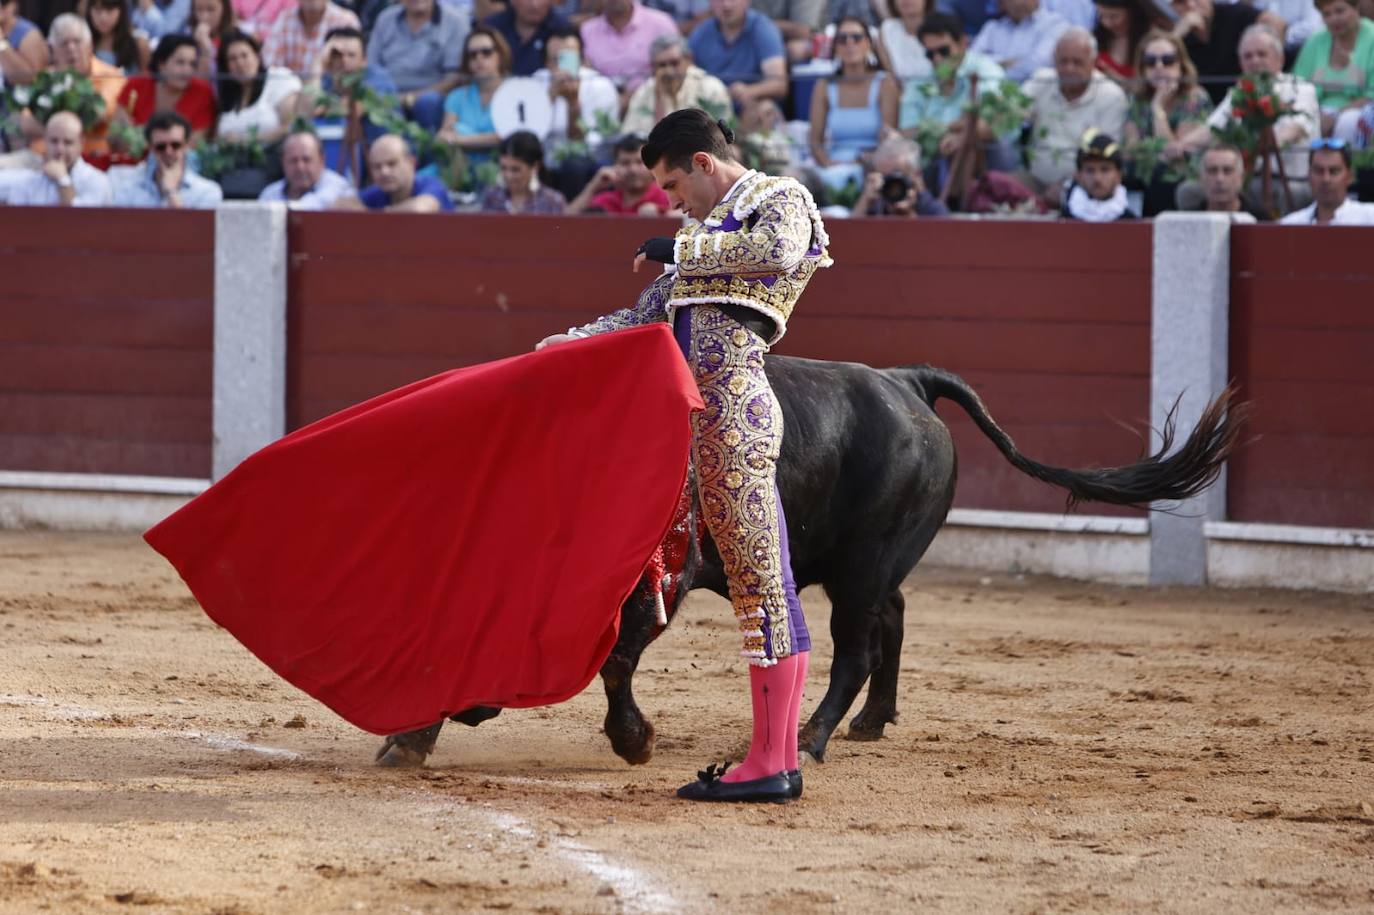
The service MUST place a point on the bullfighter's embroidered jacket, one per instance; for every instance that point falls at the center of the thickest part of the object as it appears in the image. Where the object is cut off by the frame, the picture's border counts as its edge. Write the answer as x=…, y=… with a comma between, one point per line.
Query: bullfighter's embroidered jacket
x=758, y=248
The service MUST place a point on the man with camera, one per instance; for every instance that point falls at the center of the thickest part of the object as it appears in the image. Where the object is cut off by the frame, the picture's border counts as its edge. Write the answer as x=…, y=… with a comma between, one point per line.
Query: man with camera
x=894, y=186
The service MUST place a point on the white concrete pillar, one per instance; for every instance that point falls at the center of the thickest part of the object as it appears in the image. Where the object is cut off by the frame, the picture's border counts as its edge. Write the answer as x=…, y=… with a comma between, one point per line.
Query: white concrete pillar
x=1189, y=329
x=250, y=331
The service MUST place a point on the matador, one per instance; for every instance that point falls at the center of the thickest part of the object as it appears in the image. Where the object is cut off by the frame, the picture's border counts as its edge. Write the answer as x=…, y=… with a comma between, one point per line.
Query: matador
x=734, y=277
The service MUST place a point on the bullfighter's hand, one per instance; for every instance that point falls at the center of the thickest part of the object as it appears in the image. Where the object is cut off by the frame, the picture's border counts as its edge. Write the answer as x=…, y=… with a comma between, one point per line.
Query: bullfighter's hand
x=552, y=340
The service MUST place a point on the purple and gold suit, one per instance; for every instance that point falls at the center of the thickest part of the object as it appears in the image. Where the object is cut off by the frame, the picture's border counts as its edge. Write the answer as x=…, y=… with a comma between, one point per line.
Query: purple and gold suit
x=757, y=249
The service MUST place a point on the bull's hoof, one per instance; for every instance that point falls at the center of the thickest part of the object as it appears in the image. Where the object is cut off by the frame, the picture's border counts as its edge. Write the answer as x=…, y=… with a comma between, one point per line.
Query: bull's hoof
x=636, y=748
x=811, y=743
x=408, y=750
x=395, y=756
x=869, y=725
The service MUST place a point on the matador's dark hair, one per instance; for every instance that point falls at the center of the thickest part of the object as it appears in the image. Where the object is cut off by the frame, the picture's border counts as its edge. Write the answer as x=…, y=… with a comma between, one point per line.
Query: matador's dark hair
x=683, y=134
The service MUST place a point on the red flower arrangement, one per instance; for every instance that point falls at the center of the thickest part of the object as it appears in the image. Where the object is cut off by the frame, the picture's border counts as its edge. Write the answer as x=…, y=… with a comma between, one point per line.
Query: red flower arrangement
x=1255, y=108
x=1256, y=103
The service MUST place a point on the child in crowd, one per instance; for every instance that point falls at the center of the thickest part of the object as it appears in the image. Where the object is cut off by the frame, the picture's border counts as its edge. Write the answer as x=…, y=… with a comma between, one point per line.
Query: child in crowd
x=1097, y=194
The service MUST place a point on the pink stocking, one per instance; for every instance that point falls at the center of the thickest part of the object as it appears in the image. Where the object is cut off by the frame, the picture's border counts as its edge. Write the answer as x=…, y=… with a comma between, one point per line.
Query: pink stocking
x=772, y=689
x=794, y=714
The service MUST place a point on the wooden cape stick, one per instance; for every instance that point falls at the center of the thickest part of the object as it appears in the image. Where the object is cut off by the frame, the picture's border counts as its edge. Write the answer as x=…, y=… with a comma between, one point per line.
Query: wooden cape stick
x=961, y=169
x=348, y=149
x=1270, y=147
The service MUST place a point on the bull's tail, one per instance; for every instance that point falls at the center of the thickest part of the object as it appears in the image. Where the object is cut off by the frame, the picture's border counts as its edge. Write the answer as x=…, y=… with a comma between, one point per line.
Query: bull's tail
x=1157, y=477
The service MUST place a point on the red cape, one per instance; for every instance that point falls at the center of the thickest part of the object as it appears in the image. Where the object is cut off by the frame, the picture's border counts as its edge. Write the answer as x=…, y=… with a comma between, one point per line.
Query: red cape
x=465, y=540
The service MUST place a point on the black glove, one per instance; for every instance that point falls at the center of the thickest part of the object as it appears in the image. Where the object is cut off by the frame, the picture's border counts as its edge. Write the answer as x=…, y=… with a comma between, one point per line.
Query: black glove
x=658, y=249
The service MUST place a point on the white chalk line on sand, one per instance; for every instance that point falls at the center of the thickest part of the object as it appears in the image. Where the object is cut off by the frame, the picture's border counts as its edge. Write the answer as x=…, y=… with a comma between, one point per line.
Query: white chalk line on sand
x=56, y=709
x=633, y=887
x=223, y=742
x=84, y=713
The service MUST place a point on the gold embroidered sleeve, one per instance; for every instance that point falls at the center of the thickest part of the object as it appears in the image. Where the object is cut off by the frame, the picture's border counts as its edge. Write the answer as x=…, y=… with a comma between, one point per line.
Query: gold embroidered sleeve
x=775, y=243
x=651, y=306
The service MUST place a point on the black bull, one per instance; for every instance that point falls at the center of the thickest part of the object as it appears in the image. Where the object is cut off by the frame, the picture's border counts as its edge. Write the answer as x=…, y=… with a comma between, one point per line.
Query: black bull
x=867, y=476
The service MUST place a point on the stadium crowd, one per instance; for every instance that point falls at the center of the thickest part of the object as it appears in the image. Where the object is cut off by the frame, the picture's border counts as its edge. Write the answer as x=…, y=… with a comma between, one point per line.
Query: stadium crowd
x=1094, y=110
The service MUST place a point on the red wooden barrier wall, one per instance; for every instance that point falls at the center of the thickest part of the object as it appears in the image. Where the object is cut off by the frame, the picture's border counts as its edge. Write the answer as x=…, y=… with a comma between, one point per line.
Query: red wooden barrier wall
x=1049, y=322
x=1302, y=347
x=106, y=329
x=376, y=301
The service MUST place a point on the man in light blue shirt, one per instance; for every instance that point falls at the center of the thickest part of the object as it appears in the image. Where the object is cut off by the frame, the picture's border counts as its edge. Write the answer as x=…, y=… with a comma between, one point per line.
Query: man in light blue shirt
x=308, y=185
x=743, y=49
x=165, y=180
x=1022, y=41
x=942, y=102
x=420, y=44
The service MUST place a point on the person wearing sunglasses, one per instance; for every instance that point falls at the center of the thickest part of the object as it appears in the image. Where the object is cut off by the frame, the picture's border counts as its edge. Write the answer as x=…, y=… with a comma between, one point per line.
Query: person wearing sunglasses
x=467, y=110
x=1167, y=105
x=166, y=179
x=1330, y=173
x=946, y=48
x=851, y=110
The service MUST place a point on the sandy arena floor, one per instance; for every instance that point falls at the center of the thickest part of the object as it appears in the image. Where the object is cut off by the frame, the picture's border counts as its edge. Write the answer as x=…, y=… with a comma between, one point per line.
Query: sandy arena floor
x=1062, y=747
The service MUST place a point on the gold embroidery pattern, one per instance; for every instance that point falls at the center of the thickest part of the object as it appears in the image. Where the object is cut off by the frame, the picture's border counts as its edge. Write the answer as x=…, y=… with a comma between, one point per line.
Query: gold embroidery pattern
x=769, y=227
x=735, y=450
x=651, y=306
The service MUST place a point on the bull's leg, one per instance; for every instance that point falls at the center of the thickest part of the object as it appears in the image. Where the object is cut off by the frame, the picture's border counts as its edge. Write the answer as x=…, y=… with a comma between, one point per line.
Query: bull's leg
x=413, y=747
x=880, y=709
x=630, y=733
x=410, y=749
x=854, y=630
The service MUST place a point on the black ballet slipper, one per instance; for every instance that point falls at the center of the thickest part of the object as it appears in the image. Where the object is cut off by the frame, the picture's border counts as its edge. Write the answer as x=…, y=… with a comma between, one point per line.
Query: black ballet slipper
x=794, y=782
x=776, y=789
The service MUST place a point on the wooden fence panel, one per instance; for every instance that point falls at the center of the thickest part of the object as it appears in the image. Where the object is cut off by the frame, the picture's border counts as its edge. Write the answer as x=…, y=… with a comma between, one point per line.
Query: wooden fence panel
x=1302, y=349
x=106, y=341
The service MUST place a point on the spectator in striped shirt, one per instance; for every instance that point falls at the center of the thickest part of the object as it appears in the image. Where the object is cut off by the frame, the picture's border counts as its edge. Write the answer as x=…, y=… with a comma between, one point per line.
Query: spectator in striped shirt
x=297, y=37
